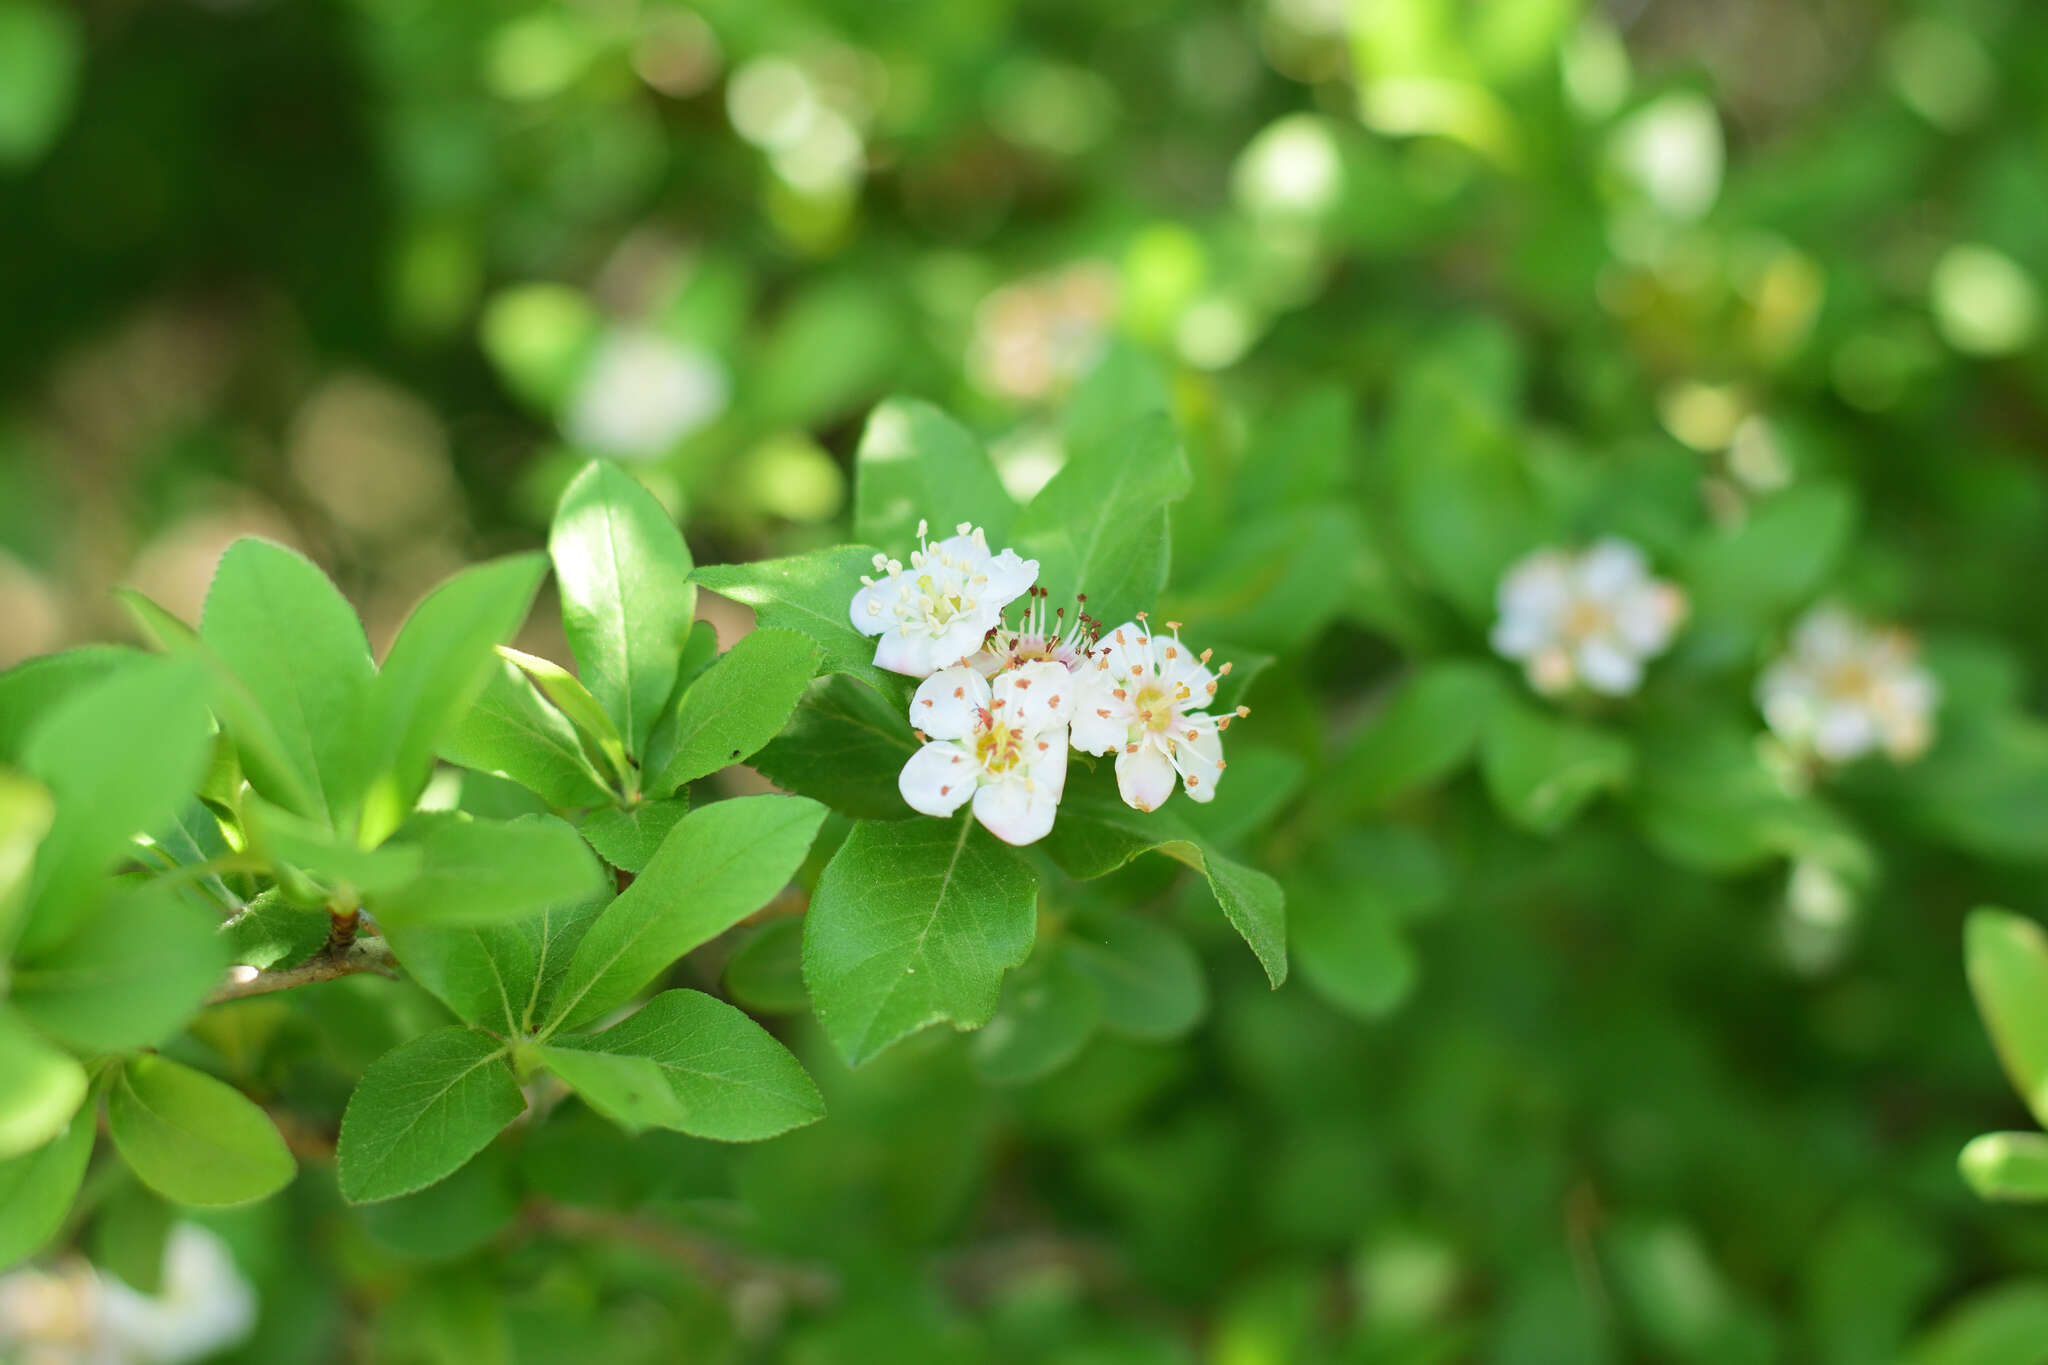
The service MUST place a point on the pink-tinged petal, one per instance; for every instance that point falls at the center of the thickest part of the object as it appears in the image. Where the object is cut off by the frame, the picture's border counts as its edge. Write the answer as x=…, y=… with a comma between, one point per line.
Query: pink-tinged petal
x=1015, y=811
x=911, y=655
x=1145, y=778
x=946, y=705
x=1610, y=568
x=938, y=778
x=1606, y=668
x=870, y=611
x=1035, y=695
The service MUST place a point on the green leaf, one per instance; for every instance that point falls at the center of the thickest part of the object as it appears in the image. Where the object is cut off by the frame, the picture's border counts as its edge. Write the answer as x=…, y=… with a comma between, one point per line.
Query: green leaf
x=500, y=977
x=1427, y=730
x=1097, y=833
x=30, y=690
x=2005, y=1325
x=272, y=933
x=765, y=973
x=574, y=701
x=1543, y=770
x=129, y=1232
x=1261, y=781
x=452, y=1218
x=295, y=644
x=510, y=731
x=333, y=860
x=845, y=746
x=1048, y=1012
x=2012, y=1167
x=36, y=1189
x=739, y=704
x=629, y=837
x=627, y=600
x=1149, y=979
x=728, y=1078
x=1462, y=499
x=911, y=924
x=2007, y=959
x=422, y=1110
x=1276, y=582
x=1297, y=456
x=812, y=594
x=164, y=631
x=193, y=1139
x=1775, y=558
x=916, y=463
x=130, y=978
x=489, y=871
x=121, y=756
x=1124, y=386
x=1350, y=945
x=1099, y=525
x=25, y=815
x=722, y=863
x=630, y=1091
x=40, y=1089
x=42, y=48
x=440, y=663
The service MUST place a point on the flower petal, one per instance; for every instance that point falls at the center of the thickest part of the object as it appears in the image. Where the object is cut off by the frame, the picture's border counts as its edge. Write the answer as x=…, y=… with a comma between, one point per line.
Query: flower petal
x=946, y=705
x=1646, y=616
x=1144, y=778
x=1846, y=730
x=1035, y=695
x=1611, y=567
x=913, y=653
x=1016, y=811
x=870, y=611
x=1125, y=654
x=1607, y=668
x=1198, y=755
x=1008, y=577
x=1100, y=723
x=1538, y=586
x=939, y=777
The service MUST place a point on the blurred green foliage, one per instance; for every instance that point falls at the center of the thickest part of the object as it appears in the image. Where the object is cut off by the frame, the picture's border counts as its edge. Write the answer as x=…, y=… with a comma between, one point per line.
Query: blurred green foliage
x=1614, y=1036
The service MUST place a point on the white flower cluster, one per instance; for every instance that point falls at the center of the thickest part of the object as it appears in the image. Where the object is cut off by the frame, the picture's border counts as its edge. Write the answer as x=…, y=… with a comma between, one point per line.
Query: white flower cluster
x=74, y=1313
x=1593, y=619
x=1000, y=706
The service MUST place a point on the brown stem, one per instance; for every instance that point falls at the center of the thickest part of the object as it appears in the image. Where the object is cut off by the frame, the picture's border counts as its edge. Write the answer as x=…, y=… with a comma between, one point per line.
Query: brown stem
x=714, y=1262
x=331, y=963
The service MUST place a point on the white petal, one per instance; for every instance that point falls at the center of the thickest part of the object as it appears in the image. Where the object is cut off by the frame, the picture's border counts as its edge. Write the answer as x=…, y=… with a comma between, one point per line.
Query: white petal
x=1008, y=577
x=1145, y=778
x=1845, y=731
x=1611, y=567
x=1646, y=616
x=939, y=777
x=1124, y=654
x=871, y=611
x=1824, y=635
x=964, y=637
x=1521, y=635
x=914, y=655
x=1198, y=755
x=1187, y=679
x=1101, y=723
x=946, y=704
x=1015, y=811
x=1606, y=667
x=1045, y=760
x=1539, y=586
x=1035, y=695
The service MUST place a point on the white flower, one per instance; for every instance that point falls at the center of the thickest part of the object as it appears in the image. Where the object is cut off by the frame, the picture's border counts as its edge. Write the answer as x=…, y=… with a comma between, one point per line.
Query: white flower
x=642, y=393
x=1846, y=688
x=204, y=1307
x=1141, y=695
x=1004, y=746
x=1036, y=640
x=939, y=610
x=1588, y=619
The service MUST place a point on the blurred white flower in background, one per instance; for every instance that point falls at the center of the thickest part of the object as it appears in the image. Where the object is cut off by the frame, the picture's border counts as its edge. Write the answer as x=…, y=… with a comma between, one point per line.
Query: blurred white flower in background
x=1846, y=688
x=1586, y=620
x=1035, y=338
x=78, y=1316
x=643, y=392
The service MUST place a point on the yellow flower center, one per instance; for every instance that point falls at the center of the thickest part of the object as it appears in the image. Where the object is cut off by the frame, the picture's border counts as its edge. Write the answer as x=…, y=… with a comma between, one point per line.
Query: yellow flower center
x=998, y=749
x=1155, y=708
